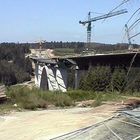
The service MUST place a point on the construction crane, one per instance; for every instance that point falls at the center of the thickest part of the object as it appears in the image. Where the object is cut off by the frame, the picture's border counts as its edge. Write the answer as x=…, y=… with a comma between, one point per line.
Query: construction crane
x=130, y=37
x=90, y=20
x=40, y=47
x=130, y=47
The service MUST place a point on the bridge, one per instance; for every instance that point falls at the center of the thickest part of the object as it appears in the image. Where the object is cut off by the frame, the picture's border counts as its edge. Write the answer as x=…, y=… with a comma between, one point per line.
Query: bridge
x=51, y=74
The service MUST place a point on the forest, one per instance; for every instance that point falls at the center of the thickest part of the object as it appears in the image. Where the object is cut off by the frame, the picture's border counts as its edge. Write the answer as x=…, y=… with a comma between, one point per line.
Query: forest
x=14, y=67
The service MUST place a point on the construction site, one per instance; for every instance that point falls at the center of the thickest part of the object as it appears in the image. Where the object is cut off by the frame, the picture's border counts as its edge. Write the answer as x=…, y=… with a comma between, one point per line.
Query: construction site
x=75, y=91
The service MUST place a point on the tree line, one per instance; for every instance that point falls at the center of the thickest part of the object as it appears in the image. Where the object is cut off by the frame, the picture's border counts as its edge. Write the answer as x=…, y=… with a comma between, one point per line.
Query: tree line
x=80, y=46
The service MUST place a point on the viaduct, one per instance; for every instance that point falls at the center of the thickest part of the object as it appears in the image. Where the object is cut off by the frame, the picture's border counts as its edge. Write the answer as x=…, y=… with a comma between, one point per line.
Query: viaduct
x=51, y=74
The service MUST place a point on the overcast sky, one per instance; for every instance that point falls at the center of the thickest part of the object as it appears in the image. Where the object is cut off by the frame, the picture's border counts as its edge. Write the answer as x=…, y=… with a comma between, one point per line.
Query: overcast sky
x=58, y=20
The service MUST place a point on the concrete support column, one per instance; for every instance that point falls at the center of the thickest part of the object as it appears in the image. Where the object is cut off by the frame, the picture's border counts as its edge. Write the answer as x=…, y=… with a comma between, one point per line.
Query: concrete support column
x=76, y=77
x=40, y=69
x=61, y=78
x=36, y=74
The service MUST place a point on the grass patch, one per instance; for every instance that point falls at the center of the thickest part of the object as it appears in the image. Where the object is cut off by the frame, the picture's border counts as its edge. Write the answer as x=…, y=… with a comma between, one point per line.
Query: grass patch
x=96, y=103
x=6, y=108
x=56, y=98
x=99, y=97
x=134, y=94
x=34, y=98
x=112, y=96
x=63, y=51
x=80, y=95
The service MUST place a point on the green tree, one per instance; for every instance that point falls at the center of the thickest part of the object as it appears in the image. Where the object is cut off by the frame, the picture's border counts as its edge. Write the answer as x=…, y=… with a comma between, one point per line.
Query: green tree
x=97, y=79
x=118, y=81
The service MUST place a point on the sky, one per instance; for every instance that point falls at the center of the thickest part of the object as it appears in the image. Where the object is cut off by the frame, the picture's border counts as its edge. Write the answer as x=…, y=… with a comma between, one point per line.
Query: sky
x=58, y=20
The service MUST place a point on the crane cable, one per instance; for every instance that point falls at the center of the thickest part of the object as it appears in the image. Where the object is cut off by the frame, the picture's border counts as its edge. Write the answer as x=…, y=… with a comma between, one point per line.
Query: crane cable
x=115, y=134
x=132, y=15
x=134, y=23
x=129, y=21
x=131, y=63
x=122, y=3
x=138, y=21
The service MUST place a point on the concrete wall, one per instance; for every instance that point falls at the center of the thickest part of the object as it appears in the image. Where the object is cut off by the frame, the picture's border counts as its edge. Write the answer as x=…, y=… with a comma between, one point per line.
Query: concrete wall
x=50, y=77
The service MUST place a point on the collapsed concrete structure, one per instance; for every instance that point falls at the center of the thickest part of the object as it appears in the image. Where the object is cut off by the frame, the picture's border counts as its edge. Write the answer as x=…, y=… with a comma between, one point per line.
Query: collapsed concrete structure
x=51, y=74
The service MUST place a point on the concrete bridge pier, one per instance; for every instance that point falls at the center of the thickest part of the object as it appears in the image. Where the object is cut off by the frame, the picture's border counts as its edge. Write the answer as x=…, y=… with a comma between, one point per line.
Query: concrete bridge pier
x=76, y=77
x=50, y=76
x=38, y=72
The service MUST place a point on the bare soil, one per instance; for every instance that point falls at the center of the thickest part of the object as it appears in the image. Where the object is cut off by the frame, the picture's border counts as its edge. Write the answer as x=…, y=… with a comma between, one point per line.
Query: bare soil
x=46, y=124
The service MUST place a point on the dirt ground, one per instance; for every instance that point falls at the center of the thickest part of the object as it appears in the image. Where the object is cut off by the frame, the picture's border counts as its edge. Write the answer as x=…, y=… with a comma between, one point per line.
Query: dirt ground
x=46, y=124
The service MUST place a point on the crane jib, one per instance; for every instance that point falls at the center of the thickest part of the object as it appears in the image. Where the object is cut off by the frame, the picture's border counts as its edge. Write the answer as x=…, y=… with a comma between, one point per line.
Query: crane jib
x=105, y=16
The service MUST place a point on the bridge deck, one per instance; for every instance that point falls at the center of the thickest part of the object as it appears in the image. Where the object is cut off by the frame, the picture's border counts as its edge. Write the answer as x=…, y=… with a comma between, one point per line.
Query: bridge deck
x=84, y=61
x=118, y=59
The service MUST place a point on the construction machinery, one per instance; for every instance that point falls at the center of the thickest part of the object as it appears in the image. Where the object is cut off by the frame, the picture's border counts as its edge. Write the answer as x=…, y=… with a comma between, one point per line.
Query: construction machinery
x=90, y=20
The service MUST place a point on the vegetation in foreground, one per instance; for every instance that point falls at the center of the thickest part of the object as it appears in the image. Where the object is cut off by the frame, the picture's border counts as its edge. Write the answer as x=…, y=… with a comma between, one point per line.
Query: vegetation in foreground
x=24, y=98
x=99, y=84
x=106, y=78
